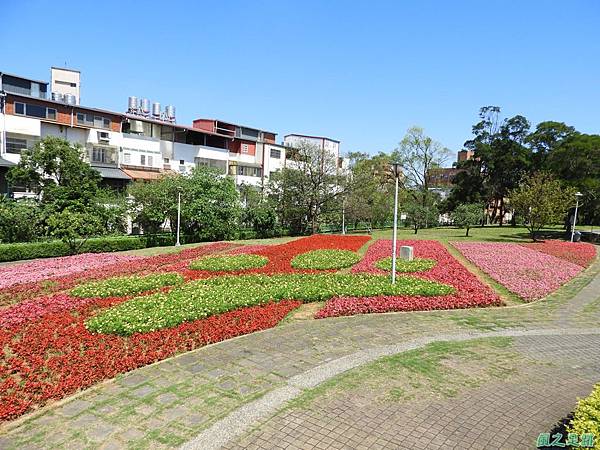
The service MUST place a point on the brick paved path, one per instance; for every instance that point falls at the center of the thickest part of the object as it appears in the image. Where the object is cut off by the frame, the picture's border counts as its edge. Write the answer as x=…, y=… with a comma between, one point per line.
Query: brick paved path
x=172, y=402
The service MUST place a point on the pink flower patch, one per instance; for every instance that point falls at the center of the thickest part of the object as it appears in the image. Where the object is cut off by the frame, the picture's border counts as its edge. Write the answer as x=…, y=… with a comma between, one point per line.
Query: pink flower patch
x=48, y=269
x=470, y=292
x=580, y=253
x=528, y=273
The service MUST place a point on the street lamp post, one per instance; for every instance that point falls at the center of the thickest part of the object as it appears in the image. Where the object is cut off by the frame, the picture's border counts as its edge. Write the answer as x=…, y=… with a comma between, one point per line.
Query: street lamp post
x=177, y=244
x=396, y=169
x=343, y=216
x=577, y=195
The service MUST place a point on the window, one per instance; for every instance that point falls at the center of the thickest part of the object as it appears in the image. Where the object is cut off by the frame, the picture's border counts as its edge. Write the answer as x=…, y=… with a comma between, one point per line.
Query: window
x=20, y=108
x=245, y=148
x=249, y=171
x=105, y=155
x=150, y=160
x=127, y=158
x=15, y=145
x=143, y=160
x=51, y=114
x=182, y=162
x=35, y=111
x=90, y=120
x=166, y=160
x=275, y=153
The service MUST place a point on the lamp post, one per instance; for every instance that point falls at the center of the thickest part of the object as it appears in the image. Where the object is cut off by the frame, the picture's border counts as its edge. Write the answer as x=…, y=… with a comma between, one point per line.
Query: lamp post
x=577, y=195
x=396, y=168
x=343, y=216
x=177, y=244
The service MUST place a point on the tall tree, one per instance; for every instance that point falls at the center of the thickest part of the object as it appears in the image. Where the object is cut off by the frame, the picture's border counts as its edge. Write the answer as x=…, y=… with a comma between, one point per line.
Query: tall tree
x=500, y=160
x=418, y=154
x=541, y=200
x=308, y=188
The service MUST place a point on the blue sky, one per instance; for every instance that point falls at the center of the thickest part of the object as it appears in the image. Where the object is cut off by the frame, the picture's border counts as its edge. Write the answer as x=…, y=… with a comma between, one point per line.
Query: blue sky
x=360, y=72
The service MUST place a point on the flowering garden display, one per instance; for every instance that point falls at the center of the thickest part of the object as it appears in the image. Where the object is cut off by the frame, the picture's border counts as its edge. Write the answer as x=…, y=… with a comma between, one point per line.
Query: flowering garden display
x=325, y=259
x=528, y=273
x=468, y=290
x=415, y=265
x=79, y=320
x=580, y=253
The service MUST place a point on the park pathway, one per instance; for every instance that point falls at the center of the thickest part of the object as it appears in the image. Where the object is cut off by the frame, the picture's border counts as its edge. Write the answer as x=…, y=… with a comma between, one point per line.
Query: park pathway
x=223, y=395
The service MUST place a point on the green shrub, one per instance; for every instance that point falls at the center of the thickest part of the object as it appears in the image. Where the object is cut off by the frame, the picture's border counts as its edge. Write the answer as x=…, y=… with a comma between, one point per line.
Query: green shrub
x=586, y=418
x=203, y=298
x=416, y=265
x=120, y=286
x=325, y=259
x=226, y=263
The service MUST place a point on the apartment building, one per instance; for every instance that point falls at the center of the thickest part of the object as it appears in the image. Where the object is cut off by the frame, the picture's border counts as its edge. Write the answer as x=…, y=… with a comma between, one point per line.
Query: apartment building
x=331, y=146
x=141, y=144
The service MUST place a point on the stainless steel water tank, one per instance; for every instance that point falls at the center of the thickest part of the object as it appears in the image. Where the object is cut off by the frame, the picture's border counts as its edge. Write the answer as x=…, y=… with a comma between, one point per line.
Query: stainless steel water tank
x=170, y=112
x=132, y=104
x=58, y=97
x=70, y=99
x=156, y=109
x=145, y=105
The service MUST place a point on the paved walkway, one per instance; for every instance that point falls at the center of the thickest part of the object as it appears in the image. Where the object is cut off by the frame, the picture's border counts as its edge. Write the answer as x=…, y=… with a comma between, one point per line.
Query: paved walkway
x=179, y=400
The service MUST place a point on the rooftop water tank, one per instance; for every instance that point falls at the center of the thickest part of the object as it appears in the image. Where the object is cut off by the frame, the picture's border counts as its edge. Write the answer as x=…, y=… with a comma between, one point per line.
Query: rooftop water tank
x=132, y=104
x=145, y=105
x=170, y=112
x=58, y=97
x=156, y=109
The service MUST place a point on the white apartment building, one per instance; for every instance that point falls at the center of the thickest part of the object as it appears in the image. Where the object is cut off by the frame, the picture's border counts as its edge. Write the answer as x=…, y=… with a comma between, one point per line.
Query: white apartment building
x=331, y=146
x=137, y=145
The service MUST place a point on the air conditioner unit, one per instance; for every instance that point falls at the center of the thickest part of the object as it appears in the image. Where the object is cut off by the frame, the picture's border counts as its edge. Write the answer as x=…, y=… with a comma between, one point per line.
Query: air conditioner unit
x=103, y=136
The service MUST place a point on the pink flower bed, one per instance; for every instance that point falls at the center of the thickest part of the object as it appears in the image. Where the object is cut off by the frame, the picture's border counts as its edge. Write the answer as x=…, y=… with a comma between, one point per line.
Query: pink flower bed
x=470, y=292
x=48, y=269
x=528, y=273
x=580, y=253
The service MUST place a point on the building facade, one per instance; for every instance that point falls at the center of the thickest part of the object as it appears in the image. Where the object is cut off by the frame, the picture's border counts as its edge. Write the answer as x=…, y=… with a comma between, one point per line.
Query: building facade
x=130, y=146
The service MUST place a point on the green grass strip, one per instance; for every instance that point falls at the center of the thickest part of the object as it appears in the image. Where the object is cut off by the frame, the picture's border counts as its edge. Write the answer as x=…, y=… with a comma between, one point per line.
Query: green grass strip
x=325, y=259
x=226, y=263
x=203, y=298
x=416, y=265
x=120, y=286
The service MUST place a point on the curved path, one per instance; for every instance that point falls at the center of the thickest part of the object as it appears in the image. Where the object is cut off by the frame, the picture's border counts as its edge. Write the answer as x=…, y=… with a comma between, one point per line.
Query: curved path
x=189, y=399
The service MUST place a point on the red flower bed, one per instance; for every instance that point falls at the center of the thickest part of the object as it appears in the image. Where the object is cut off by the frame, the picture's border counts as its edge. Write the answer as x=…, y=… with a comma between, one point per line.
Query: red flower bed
x=55, y=356
x=470, y=292
x=281, y=255
x=19, y=292
x=580, y=253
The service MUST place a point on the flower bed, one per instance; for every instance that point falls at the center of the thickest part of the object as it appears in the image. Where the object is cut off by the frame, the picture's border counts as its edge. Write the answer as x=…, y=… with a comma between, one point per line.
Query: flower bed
x=47, y=269
x=146, y=265
x=469, y=291
x=121, y=286
x=402, y=266
x=203, y=298
x=281, y=255
x=580, y=253
x=228, y=263
x=528, y=273
x=57, y=356
x=325, y=259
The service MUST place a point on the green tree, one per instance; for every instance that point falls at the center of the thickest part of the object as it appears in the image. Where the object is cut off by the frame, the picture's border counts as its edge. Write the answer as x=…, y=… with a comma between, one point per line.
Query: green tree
x=418, y=154
x=500, y=160
x=420, y=213
x=308, y=189
x=541, y=200
x=20, y=220
x=576, y=161
x=370, y=194
x=258, y=212
x=73, y=227
x=467, y=215
x=56, y=170
x=209, y=204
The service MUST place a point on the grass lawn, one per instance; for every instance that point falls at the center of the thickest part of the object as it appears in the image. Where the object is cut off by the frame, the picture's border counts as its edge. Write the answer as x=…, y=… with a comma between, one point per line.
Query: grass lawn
x=490, y=233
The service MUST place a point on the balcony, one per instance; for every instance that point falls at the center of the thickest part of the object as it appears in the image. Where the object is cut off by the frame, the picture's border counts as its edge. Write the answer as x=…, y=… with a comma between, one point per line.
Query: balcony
x=103, y=156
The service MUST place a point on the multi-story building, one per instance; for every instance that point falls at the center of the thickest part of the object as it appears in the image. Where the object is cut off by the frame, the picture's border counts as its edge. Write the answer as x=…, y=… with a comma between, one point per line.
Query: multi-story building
x=137, y=145
x=326, y=144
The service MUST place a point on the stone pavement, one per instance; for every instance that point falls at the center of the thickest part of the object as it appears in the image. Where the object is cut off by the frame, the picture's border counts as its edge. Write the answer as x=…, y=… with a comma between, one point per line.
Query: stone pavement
x=174, y=401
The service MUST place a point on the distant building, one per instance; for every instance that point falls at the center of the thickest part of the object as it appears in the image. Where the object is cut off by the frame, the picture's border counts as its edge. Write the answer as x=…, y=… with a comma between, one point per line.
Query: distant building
x=441, y=177
x=141, y=144
x=464, y=155
x=332, y=146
